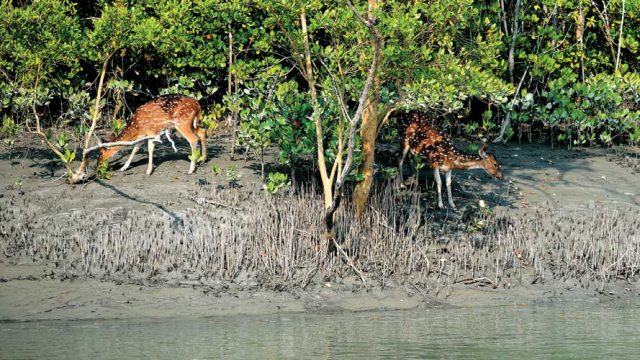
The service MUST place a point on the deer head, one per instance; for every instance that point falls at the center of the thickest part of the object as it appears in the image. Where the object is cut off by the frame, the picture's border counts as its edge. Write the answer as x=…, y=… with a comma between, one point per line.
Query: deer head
x=490, y=164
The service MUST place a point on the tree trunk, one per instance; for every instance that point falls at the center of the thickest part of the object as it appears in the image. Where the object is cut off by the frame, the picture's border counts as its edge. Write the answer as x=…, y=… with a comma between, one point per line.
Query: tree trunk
x=332, y=184
x=327, y=184
x=232, y=118
x=580, y=38
x=368, y=134
x=262, y=163
x=512, y=46
x=81, y=173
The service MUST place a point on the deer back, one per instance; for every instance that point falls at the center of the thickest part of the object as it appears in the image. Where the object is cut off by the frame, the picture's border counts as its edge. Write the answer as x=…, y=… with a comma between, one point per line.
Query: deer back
x=421, y=134
x=163, y=113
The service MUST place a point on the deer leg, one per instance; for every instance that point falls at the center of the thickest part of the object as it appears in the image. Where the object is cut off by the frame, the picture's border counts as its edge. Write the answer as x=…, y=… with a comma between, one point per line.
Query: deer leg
x=405, y=150
x=203, y=143
x=188, y=134
x=436, y=175
x=448, y=179
x=126, y=165
x=167, y=133
x=151, y=144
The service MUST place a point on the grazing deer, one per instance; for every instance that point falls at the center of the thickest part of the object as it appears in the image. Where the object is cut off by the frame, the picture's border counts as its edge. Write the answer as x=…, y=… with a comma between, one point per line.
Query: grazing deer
x=424, y=138
x=158, y=117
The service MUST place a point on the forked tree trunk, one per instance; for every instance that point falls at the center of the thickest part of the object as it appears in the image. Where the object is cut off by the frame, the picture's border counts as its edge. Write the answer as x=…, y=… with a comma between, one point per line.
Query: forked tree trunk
x=355, y=121
x=327, y=183
x=81, y=174
x=332, y=183
x=368, y=135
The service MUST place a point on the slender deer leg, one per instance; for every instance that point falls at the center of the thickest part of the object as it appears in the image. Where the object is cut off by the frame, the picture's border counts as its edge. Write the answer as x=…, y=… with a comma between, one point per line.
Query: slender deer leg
x=151, y=144
x=188, y=134
x=203, y=143
x=436, y=174
x=167, y=133
x=448, y=179
x=126, y=165
x=405, y=150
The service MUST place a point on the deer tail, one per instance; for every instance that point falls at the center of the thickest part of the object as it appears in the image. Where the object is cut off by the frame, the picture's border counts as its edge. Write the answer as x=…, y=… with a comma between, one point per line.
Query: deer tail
x=196, y=119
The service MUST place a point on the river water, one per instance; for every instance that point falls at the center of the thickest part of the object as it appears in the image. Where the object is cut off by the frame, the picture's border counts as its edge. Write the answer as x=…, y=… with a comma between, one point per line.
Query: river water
x=584, y=331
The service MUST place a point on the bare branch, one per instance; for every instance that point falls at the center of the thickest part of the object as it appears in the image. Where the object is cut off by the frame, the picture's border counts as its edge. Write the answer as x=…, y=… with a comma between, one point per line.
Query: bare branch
x=350, y=262
x=339, y=94
x=620, y=38
x=367, y=22
x=507, y=120
x=121, y=143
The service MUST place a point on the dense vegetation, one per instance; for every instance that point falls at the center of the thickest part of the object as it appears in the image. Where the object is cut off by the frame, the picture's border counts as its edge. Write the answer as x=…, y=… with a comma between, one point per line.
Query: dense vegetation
x=292, y=74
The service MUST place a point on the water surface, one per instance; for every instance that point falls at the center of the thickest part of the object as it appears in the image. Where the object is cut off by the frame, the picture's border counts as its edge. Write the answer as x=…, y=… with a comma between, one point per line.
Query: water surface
x=523, y=332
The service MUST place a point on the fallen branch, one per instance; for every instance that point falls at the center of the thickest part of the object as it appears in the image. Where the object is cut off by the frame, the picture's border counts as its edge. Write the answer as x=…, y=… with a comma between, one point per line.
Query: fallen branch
x=350, y=262
x=202, y=201
x=482, y=280
x=122, y=143
x=507, y=120
x=419, y=290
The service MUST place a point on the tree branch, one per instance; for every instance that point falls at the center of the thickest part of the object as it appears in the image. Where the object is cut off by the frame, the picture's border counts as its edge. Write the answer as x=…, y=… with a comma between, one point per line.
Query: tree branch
x=620, y=37
x=121, y=143
x=373, y=32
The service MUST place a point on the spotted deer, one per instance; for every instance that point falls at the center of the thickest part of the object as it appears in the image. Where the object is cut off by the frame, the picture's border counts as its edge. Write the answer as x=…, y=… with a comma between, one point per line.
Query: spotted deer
x=424, y=138
x=159, y=117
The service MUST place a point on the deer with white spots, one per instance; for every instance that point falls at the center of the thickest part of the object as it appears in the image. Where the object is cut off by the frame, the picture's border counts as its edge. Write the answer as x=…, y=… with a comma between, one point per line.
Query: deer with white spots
x=424, y=138
x=159, y=117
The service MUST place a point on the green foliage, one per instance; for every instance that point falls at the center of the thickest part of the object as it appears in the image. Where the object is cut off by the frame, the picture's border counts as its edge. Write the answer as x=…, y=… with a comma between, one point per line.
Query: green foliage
x=295, y=130
x=211, y=120
x=216, y=169
x=68, y=156
x=599, y=110
x=39, y=53
x=437, y=55
x=102, y=171
x=9, y=128
x=418, y=162
x=117, y=125
x=232, y=175
x=276, y=181
x=196, y=155
x=389, y=172
x=62, y=140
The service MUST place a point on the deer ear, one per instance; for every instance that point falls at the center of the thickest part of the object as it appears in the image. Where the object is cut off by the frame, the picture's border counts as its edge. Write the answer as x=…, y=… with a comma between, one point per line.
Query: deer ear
x=483, y=150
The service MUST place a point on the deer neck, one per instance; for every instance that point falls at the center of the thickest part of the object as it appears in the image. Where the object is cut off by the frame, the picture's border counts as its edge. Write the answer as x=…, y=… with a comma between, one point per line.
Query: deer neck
x=108, y=153
x=462, y=161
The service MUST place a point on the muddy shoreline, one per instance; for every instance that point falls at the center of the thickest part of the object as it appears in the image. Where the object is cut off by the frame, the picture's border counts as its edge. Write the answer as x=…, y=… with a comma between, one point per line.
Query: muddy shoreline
x=44, y=275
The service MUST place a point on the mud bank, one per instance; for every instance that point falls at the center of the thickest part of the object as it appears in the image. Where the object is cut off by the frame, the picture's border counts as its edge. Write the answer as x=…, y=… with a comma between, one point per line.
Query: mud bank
x=27, y=299
x=178, y=245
